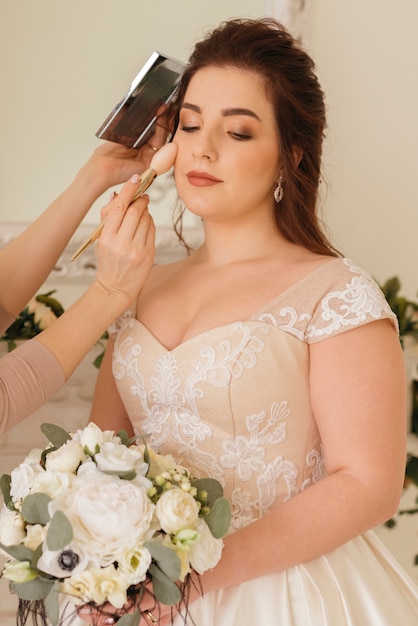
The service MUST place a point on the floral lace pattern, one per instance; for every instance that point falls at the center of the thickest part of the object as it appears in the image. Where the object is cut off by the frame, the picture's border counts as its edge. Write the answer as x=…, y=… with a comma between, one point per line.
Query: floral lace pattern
x=234, y=402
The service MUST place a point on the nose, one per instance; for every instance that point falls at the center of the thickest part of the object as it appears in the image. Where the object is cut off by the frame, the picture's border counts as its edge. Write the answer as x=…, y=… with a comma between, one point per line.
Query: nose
x=204, y=146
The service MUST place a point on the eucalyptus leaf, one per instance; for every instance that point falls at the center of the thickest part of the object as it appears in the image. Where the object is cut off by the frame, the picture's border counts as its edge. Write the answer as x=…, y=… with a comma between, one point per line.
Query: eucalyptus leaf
x=55, y=434
x=165, y=590
x=36, y=589
x=18, y=552
x=166, y=559
x=129, y=475
x=60, y=532
x=5, y=481
x=35, y=508
x=52, y=605
x=36, y=556
x=130, y=619
x=219, y=518
x=124, y=437
x=212, y=486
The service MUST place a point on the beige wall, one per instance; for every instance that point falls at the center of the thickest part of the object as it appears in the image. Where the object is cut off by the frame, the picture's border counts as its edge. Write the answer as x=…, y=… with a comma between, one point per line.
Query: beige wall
x=367, y=55
x=63, y=65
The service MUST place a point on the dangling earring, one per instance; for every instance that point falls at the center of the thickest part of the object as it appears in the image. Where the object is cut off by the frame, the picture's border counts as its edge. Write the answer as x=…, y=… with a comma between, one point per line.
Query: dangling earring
x=278, y=192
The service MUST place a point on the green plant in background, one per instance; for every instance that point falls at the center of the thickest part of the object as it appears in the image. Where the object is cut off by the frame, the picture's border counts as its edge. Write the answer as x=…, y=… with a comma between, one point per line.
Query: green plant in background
x=40, y=313
x=405, y=310
x=407, y=313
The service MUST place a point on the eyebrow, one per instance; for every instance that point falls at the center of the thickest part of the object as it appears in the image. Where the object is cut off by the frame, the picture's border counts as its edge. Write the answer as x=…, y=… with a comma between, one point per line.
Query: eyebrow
x=225, y=112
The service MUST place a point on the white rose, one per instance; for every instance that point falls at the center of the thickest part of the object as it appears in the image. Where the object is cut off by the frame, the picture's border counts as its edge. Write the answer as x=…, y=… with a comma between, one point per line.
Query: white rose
x=12, y=527
x=35, y=535
x=110, y=586
x=134, y=563
x=52, y=483
x=66, y=459
x=43, y=315
x=107, y=514
x=115, y=457
x=22, y=477
x=176, y=509
x=205, y=553
x=62, y=563
x=92, y=437
x=96, y=585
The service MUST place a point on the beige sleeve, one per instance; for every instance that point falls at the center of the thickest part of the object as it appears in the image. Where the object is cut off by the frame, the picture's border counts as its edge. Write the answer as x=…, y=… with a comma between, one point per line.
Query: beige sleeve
x=29, y=377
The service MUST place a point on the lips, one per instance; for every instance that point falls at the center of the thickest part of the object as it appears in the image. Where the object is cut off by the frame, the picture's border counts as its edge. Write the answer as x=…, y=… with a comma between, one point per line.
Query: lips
x=202, y=179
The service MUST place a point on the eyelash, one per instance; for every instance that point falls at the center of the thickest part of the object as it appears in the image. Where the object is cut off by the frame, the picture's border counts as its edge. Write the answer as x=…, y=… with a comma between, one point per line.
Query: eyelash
x=234, y=135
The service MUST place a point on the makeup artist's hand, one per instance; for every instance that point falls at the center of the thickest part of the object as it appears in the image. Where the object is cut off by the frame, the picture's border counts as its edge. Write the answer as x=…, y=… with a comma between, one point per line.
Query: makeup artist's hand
x=125, y=250
x=112, y=163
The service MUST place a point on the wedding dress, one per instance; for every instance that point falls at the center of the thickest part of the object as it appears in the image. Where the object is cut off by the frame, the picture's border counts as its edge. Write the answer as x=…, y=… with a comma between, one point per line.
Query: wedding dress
x=233, y=403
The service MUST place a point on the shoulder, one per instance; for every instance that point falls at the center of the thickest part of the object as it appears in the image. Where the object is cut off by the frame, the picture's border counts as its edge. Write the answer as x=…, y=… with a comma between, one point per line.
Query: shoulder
x=335, y=297
x=347, y=297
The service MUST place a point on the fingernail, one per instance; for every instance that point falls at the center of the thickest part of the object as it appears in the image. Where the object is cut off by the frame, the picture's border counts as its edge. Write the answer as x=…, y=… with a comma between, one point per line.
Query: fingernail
x=112, y=195
x=134, y=179
x=108, y=620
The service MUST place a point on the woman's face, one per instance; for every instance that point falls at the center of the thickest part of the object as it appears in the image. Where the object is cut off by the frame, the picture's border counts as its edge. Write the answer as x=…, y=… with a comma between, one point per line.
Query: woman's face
x=228, y=157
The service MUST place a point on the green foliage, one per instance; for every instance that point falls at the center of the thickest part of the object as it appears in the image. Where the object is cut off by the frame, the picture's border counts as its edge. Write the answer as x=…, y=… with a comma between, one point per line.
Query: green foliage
x=405, y=310
x=36, y=589
x=25, y=326
x=35, y=508
x=5, y=482
x=60, y=532
x=165, y=569
x=55, y=434
x=130, y=619
x=219, y=518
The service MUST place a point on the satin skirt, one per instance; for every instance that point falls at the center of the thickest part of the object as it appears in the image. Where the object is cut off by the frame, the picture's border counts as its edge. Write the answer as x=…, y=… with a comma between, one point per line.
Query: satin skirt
x=358, y=584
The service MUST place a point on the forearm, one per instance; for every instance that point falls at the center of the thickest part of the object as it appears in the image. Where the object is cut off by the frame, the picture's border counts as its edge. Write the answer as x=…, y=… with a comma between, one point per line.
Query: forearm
x=78, y=329
x=29, y=377
x=27, y=261
x=316, y=521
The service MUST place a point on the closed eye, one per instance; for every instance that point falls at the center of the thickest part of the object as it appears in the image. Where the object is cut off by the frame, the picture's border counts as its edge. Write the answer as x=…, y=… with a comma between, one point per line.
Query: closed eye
x=240, y=136
x=188, y=129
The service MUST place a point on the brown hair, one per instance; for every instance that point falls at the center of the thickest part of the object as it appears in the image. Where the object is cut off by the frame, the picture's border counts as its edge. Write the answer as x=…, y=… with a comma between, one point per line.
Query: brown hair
x=264, y=46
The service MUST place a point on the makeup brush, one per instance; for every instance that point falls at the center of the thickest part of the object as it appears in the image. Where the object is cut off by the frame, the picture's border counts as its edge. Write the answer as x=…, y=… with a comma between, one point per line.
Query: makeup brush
x=161, y=162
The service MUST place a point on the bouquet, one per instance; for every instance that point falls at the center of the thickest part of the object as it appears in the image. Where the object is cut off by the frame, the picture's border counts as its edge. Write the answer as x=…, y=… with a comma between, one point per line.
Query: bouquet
x=99, y=517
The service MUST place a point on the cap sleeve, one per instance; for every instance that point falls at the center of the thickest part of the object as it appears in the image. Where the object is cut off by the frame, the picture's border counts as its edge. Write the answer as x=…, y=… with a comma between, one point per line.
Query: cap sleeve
x=352, y=298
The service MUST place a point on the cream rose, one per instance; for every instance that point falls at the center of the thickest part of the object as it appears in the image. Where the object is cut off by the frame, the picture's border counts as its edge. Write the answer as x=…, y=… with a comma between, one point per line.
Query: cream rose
x=23, y=476
x=52, y=483
x=105, y=513
x=96, y=585
x=134, y=563
x=205, y=553
x=35, y=535
x=176, y=509
x=66, y=459
x=114, y=457
x=12, y=527
x=91, y=438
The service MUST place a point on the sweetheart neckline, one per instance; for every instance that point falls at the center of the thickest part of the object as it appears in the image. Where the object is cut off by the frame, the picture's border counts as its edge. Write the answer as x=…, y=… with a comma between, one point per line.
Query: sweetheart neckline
x=252, y=317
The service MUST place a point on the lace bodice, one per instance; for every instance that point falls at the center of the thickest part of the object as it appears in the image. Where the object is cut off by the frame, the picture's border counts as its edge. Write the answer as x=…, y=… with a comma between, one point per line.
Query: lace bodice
x=233, y=402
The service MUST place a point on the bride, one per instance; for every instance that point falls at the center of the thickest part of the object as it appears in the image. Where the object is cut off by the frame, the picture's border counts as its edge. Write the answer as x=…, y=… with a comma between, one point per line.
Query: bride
x=265, y=358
